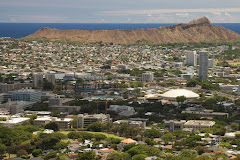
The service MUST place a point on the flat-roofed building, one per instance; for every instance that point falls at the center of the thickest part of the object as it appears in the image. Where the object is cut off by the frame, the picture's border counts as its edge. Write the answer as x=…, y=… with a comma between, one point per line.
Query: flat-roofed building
x=4, y=87
x=64, y=123
x=50, y=77
x=37, y=80
x=203, y=65
x=141, y=124
x=199, y=124
x=59, y=101
x=173, y=125
x=66, y=108
x=85, y=120
x=31, y=95
x=14, y=121
x=208, y=114
x=147, y=77
x=191, y=58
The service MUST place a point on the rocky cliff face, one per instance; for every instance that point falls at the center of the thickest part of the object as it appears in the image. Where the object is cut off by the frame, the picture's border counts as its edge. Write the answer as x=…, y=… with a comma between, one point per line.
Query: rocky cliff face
x=200, y=30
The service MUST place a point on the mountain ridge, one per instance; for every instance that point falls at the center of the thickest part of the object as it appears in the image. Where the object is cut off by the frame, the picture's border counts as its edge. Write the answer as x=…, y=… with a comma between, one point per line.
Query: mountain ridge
x=200, y=30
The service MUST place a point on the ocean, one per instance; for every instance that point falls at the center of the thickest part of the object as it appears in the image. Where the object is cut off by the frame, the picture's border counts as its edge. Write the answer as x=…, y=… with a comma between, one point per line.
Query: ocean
x=19, y=30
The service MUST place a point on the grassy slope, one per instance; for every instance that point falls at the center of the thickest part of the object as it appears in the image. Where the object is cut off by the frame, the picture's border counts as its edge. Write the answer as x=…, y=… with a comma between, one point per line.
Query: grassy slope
x=106, y=134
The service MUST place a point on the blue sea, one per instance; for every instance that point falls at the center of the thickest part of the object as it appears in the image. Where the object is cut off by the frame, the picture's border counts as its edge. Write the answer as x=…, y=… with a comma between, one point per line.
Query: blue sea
x=18, y=30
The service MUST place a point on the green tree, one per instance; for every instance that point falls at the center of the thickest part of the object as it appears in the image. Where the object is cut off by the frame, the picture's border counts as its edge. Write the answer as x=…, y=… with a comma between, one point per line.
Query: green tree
x=2, y=150
x=22, y=152
x=114, y=156
x=139, y=157
x=47, y=85
x=152, y=133
x=192, y=82
x=235, y=126
x=50, y=155
x=95, y=127
x=60, y=145
x=180, y=99
x=189, y=153
x=150, y=142
x=37, y=152
x=87, y=156
x=168, y=138
x=128, y=146
x=52, y=125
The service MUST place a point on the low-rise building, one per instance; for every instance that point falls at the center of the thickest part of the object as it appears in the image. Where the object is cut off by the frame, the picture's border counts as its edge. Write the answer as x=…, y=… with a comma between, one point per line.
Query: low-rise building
x=105, y=151
x=127, y=141
x=14, y=121
x=173, y=125
x=31, y=95
x=120, y=108
x=132, y=123
x=64, y=123
x=208, y=114
x=85, y=120
x=66, y=108
x=199, y=124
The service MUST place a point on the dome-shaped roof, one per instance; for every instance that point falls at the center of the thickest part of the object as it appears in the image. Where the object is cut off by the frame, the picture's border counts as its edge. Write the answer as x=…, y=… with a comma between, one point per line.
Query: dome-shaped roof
x=179, y=92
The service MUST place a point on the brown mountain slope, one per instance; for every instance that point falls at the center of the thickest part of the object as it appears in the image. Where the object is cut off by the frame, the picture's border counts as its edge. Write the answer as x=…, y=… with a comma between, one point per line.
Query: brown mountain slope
x=200, y=30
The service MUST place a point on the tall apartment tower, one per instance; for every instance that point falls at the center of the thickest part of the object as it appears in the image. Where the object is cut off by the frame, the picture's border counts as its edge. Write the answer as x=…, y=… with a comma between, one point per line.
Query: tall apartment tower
x=37, y=80
x=147, y=77
x=191, y=58
x=203, y=65
x=50, y=77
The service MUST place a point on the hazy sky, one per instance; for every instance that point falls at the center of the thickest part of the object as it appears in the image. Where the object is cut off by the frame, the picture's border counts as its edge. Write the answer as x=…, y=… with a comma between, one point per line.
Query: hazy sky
x=118, y=11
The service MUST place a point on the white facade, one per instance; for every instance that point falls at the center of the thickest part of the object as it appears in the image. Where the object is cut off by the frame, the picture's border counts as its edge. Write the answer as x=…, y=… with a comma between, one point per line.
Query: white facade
x=147, y=77
x=191, y=58
x=211, y=64
x=14, y=121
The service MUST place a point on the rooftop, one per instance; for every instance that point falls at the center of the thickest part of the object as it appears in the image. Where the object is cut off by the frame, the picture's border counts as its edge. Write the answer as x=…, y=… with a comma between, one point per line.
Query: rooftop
x=199, y=123
x=179, y=92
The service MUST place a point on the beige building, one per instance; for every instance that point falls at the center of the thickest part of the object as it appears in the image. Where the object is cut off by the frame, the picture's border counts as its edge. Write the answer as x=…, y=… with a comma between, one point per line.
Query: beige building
x=199, y=124
x=50, y=77
x=37, y=80
x=190, y=125
x=85, y=120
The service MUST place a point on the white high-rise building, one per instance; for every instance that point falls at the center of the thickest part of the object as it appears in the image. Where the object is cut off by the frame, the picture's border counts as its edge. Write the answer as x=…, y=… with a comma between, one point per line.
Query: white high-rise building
x=203, y=65
x=191, y=58
x=211, y=64
x=147, y=77
x=37, y=80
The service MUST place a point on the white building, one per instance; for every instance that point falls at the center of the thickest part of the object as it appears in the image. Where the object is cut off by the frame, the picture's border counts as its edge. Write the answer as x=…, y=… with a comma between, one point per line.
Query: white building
x=211, y=64
x=14, y=121
x=147, y=77
x=122, y=66
x=191, y=58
